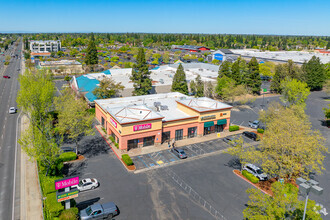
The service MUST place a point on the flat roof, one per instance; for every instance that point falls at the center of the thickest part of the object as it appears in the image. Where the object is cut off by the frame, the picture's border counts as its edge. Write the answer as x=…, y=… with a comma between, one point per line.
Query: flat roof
x=295, y=56
x=147, y=107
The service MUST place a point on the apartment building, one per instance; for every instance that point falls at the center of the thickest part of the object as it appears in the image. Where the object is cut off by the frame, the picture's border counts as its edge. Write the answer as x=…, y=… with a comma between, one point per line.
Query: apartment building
x=45, y=46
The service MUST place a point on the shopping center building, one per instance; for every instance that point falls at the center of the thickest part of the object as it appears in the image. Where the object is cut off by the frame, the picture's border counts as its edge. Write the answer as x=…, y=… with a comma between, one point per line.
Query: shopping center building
x=148, y=120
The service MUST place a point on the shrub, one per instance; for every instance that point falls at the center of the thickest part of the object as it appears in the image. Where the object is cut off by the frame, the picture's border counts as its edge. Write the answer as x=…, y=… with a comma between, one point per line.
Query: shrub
x=67, y=78
x=250, y=177
x=6, y=63
x=103, y=129
x=260, y=130
x=67, y=156
x=112, y=139
x=91, y=111
x=117, y=145
x=53, y=207
x=69, y=214
x=127, y=160
x=234, y=128
x=48, y=184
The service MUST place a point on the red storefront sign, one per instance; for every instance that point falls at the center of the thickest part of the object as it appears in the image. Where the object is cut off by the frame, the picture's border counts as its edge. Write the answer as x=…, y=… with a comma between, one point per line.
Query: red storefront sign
x=113, y=122
x=141, y=127
x=66, y=182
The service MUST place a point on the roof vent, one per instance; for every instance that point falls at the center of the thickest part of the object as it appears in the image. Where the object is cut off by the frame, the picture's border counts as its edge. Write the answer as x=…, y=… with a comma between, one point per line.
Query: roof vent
x=164, y=107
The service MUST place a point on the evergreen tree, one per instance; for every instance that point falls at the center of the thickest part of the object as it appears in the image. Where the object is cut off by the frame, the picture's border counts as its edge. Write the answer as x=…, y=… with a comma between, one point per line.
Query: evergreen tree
x=179, y=83
x=141, y=75
x=91, y=57
x=280, y=74
x=199, y=87
x=314, y=73
x=225, y=69
x=253, y=80
x=192, y=87
x=239, y=70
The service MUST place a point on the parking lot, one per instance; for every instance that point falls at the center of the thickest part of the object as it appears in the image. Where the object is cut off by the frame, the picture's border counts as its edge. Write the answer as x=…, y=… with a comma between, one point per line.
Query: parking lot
x=166, y=157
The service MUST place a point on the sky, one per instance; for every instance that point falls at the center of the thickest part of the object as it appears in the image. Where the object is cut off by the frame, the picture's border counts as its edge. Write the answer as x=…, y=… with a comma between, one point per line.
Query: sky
x=281, y=17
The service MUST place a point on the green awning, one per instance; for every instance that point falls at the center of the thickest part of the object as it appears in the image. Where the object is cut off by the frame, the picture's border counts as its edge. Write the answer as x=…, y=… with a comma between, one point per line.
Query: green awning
x=222, y=122
x=208, y=124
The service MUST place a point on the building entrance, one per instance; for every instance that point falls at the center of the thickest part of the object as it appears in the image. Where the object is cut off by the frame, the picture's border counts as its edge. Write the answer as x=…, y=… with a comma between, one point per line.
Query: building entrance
x=131, y=144
x=148, y=141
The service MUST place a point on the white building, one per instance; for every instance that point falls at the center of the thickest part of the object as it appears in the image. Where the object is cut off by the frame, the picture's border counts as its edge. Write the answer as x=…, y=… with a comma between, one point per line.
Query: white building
x=45, y=46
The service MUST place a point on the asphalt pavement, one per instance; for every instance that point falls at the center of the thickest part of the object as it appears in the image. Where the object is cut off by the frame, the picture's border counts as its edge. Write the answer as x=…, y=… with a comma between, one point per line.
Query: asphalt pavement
x=8, y=136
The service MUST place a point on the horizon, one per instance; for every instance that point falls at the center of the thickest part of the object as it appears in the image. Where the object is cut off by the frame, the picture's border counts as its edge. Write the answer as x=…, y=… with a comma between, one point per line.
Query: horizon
x=235, y=17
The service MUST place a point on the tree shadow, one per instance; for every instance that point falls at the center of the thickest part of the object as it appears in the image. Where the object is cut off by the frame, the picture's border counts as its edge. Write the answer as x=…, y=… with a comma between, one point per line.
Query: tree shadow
x=73, y=169
x=93, y=146
x=234, y=163
x=324, y=123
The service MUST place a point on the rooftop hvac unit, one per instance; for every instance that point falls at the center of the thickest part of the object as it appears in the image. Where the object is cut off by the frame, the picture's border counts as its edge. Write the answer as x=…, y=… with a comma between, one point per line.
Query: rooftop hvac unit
x=164, y=107
x=156, y=104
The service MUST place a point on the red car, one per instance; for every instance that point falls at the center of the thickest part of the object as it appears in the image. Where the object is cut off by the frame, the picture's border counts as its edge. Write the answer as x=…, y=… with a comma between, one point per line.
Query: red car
x=7, y=77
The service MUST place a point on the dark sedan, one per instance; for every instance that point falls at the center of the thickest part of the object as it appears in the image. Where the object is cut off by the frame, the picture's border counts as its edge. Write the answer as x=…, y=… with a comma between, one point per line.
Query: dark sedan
x=251, y=135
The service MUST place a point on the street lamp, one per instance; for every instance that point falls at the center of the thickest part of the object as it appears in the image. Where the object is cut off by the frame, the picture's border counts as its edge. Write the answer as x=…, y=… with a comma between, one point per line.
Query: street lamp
x=307, y=186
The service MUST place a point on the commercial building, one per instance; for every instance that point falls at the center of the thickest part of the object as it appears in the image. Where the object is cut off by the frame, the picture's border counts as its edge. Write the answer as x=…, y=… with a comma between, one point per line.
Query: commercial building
x=190, y=48
x=148, y=120
x=223, y=55
x=62, y=66
x=45, y=46
x=162, y=78
x=299, y=57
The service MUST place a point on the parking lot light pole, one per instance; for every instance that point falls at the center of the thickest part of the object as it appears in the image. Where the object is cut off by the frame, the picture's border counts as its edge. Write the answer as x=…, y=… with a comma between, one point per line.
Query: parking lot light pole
x=307, y=186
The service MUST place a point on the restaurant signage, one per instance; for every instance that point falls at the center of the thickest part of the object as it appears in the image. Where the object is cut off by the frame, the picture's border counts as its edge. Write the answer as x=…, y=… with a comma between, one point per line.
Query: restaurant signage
x=141, y=127
x=113, y=122
x=66, y=195
x=208, y=117
x=66, y=182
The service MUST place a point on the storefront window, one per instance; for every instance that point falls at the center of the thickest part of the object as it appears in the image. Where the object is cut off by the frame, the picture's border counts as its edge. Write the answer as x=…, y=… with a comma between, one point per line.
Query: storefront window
x=179, y=134
x=148, y=141
x=131, y=144
x=166, y=136
x=192, y=132
x=219, y=128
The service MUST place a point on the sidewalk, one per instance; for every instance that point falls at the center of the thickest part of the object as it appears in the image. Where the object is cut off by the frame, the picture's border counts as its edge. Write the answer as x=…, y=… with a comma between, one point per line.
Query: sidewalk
x=31, y=205
x=164, y=146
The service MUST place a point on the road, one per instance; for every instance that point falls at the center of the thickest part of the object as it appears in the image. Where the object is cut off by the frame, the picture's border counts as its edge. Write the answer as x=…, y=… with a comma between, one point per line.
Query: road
x=8, y=136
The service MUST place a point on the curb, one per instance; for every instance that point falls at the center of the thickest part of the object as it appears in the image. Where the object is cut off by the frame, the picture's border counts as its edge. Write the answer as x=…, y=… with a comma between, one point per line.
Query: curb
x=114, y=151
x=252, y=184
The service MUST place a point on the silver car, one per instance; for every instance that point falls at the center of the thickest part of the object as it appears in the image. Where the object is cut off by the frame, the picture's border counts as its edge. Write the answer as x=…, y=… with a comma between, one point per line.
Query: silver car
x=12, y=110
x=86, y=184
x=256, y=171
x=254, y=124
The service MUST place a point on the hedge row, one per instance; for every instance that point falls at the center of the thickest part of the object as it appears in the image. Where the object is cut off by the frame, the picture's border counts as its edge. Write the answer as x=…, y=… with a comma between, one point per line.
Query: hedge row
x=250, y=177
x=233, y=128
x=53, y=208
x=67, y=156
x=127, y=160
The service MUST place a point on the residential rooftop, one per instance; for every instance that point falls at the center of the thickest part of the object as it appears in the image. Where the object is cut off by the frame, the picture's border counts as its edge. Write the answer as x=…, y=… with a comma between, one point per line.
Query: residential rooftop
x=138, y=108
x=59, y=63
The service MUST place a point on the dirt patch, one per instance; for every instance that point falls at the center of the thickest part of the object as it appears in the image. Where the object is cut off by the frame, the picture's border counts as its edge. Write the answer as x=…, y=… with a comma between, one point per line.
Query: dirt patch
x=131, y=168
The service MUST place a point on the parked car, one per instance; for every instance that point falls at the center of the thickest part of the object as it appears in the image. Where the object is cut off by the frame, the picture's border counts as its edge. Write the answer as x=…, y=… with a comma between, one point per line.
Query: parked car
x=7, y=77
x=99, y=211
x=86, y=184
x=251, y=135
x=12, y=110
x=254, y=124
x=231, y=140
x=255, y=171
x=179, y=153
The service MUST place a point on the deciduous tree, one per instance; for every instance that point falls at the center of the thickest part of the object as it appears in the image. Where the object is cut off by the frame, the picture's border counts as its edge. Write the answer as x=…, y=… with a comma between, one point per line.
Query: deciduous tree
x=294, y=92
x=73, y=118
x=108, y=88
x=284, y=204
x=289, y=147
